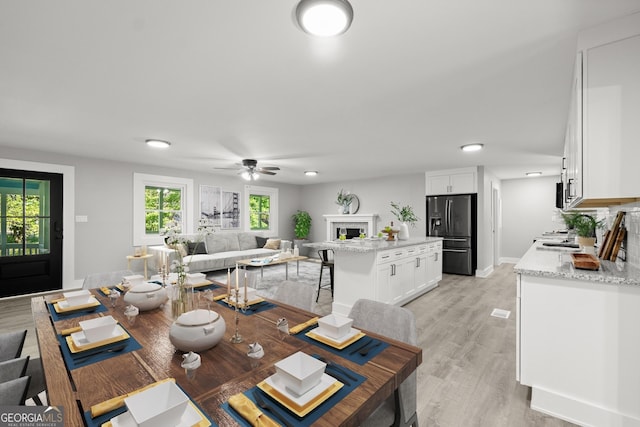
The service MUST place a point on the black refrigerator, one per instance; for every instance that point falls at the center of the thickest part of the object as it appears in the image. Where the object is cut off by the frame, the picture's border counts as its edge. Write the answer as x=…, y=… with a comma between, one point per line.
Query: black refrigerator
x=454, y=218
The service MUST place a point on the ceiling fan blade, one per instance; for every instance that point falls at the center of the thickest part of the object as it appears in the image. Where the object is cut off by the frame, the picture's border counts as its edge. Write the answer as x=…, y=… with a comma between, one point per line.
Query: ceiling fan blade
x=265, y=172
x=270, y=168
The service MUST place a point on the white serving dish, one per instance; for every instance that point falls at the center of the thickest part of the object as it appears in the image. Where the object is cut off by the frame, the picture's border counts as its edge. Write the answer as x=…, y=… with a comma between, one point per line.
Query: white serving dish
x=195, y=278
x=299, y=372
x=146, y=296
x=98, y=329
x=335, y=326
x=80, y=340
x=190, y=417
x=352, y=333
x=162, y=405
x=65, y=304
x=77, y=297
x=325, y=382
x=197, y=330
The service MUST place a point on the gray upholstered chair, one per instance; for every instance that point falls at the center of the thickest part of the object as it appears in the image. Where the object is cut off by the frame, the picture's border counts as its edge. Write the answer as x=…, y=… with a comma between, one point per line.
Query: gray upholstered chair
x=13, y=392
x=13, y=368
x=109, y=278
x=11, y=344
x=296, y=294
x=37, y=384
x=400, y=324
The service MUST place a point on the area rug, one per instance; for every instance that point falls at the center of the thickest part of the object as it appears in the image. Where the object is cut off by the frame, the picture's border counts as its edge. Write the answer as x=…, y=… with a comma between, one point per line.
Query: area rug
x=309, y=274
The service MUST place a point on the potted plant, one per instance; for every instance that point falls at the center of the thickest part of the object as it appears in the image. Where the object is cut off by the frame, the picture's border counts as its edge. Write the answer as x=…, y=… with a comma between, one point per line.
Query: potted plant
x=406, y=216
x=344, y=200
x=301, y=229
x=585, y=227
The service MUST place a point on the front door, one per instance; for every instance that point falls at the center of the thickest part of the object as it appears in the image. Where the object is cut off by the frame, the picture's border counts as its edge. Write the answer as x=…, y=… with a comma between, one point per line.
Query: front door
x=30, y=232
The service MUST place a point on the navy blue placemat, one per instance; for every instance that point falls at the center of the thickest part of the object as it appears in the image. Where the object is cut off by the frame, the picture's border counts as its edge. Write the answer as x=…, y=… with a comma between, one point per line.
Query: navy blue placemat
x=204, y=288
x=348, y=352
x=98, y=421
x=253, y=309
x=312, y=416
x=70, y=359
x=75, y=313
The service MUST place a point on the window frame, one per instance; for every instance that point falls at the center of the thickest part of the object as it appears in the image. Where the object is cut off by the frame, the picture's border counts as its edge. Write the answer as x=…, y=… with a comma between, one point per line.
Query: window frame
x=272, y=193
x=140, y=182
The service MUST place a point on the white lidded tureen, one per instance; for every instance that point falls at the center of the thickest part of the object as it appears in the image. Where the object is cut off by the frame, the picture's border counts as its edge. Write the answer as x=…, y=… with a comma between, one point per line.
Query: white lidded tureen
x=146, y=296
x=197, y=330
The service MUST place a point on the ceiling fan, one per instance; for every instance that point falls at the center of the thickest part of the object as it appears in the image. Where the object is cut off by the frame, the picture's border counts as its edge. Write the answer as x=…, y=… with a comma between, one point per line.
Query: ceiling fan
x=250, y=170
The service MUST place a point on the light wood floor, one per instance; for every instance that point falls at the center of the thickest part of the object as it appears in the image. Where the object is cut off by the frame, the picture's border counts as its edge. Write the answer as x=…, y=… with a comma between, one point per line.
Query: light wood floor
x=467, y=377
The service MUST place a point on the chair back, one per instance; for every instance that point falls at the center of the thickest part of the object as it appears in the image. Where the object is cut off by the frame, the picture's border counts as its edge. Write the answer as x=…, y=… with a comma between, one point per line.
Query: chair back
x=96, y=280
x=397, y=323
x=296, y=294
x=326, y=256
x=11, y=344
x=12, y=369
x=14, y=392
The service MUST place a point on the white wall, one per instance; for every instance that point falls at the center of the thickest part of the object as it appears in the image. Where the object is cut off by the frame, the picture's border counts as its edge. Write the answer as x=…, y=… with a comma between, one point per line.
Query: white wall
x=528, y=208
x=485, y=250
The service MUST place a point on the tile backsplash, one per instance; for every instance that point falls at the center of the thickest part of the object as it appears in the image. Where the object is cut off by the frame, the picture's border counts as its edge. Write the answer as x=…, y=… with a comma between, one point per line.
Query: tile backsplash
x=632, y=224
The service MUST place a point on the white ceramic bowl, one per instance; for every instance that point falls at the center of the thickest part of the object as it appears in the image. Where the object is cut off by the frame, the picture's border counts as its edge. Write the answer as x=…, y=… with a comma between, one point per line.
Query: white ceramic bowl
x=197, y=330
x=98, y=329
x=77, y=297
x=162, y=405
x=299, y=372
x=335, y=326
x=146, y=296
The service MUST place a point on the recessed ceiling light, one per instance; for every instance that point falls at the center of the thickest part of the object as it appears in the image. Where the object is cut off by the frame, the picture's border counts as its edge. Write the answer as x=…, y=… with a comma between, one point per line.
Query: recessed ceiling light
x=324, y=18
x=157, y=143
x=311, y=173
x=472, y=147
x=534, y=173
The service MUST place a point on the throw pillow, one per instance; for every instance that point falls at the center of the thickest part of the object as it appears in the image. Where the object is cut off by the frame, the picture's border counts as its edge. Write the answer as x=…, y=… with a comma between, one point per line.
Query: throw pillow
x=261, y=241
x=272, y=244
x=196, y=248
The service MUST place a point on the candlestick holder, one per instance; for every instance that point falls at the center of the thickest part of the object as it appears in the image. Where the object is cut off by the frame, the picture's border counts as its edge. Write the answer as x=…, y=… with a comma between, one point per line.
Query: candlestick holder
x=164, y=272
x=237, y=338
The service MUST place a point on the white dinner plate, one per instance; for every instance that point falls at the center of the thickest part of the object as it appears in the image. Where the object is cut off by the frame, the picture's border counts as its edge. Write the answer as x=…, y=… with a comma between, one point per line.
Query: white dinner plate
x=352, y=333
x=64, y=304
x=190, y=417
x=326, y=381
x=79, y=340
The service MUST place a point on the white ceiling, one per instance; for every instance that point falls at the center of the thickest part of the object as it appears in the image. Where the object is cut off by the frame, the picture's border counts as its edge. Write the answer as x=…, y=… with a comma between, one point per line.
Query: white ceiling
x=410, y=82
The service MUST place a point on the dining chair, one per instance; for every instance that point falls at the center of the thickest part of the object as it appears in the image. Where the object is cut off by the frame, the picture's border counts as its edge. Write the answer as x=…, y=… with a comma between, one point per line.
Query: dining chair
x=296, y=294
x=326, y=260
x=13, y=368
x=37, y=384
x=11, y=344
x=96, y=280
x=13, y=392
x=400, y=324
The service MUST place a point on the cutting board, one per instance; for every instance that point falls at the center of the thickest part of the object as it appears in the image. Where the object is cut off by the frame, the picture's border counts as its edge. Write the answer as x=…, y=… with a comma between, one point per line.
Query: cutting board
x=585, y=261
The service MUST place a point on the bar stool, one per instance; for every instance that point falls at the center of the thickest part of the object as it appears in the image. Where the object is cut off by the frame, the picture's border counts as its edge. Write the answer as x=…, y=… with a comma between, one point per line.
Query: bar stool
x=326, y=258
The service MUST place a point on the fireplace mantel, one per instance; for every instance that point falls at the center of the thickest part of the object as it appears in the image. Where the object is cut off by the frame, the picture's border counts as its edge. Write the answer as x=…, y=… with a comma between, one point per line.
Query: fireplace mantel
x=368, y=221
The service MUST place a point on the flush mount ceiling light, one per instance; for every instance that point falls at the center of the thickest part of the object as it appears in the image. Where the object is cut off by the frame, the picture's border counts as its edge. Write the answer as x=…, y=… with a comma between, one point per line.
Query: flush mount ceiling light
x=157, y=143
x=534, y=173
x=324, y=18
x=472, y=147
x=311, y=173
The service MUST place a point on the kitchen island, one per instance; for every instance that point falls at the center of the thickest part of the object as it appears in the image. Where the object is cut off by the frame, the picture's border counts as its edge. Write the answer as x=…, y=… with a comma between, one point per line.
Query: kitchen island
x=393, y=272
x=578, y=338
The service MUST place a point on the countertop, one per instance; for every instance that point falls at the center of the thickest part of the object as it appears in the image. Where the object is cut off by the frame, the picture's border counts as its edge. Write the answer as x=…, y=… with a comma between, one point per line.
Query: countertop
x=370, y=245
x=557, y=264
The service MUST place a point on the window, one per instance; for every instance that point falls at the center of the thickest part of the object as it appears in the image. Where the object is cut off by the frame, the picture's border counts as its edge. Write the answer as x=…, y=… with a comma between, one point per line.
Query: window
x=262, y=203
x=156, y=201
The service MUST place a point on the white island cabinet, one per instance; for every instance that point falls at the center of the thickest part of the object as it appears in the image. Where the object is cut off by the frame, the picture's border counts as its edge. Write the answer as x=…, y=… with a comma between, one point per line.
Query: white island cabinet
x=578, y=339
x=390, y=272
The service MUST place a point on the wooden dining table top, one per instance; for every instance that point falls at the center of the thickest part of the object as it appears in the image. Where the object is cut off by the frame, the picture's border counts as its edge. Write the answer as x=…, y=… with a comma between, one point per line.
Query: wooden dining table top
x=226, y=369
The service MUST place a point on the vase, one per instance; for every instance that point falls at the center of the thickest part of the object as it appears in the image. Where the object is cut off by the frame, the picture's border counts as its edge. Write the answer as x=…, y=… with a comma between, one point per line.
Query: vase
x=403, y=234
x=345, y=209
x=181, y=297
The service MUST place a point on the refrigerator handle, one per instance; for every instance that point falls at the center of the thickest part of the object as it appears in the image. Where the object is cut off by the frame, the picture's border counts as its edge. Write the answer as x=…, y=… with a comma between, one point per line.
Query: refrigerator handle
x=448, y=215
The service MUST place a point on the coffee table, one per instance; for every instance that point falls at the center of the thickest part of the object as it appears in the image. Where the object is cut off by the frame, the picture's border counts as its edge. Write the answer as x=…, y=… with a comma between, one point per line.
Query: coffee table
x=261, y=263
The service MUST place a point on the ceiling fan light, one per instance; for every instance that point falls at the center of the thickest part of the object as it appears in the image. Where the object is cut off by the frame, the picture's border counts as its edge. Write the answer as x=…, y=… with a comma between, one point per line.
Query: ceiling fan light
x=157, y=143
x=246, y=175
x=324, y=18
x=472, y=147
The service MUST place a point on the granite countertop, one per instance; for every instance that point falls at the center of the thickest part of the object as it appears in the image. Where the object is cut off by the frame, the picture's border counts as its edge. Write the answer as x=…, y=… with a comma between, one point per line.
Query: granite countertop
x=370, y=245
x=543, y=262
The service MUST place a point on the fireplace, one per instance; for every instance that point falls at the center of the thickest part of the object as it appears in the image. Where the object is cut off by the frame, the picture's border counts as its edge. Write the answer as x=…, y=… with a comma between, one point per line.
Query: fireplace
x=352, y=223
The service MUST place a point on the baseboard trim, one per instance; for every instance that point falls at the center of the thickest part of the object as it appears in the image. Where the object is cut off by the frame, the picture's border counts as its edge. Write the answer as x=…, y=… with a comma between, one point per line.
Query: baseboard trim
x=485, y=272
x=508, y=260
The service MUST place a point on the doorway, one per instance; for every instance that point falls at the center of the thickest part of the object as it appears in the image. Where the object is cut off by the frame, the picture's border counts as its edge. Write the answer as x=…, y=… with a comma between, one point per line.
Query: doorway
x=31, y=232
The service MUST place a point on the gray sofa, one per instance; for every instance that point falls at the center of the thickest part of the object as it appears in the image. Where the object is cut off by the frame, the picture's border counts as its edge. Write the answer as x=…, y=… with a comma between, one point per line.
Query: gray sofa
x=221, y=250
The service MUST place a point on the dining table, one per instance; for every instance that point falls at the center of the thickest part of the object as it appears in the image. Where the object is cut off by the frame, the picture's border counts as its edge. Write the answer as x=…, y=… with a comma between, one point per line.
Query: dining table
x=225, y=371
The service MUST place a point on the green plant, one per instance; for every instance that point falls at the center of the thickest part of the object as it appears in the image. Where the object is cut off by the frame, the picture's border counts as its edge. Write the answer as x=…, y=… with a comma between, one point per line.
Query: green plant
x=586, y=225
x=302, y=224
x=404, y=213
x=570, y=218
x=344, y=198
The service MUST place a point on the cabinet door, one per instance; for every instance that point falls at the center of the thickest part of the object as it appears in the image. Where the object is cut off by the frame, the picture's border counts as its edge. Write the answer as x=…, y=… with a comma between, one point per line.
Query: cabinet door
x=573, y=139
x=434, y=263
x=462, y=183
x=438, y=184
x=384, y=273
x=420, y=266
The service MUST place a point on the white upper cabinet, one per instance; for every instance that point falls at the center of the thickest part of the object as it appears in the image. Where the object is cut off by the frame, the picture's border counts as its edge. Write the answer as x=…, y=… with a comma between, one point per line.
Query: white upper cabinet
x=454, y=181
x=605, y=159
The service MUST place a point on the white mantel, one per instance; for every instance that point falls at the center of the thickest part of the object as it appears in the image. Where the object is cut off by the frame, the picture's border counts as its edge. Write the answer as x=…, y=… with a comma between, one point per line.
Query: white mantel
x=368, y=221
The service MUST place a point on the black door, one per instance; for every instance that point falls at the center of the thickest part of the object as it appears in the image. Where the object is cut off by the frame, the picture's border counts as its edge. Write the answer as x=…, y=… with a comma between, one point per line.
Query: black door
x=30, y=232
